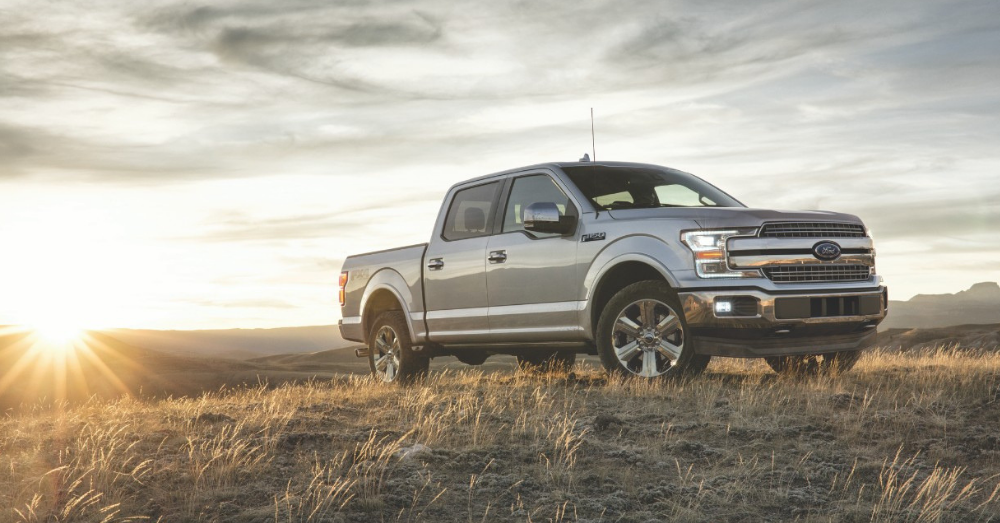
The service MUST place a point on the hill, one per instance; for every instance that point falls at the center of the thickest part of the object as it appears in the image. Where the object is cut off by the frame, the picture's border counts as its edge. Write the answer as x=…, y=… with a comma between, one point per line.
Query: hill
x=102, y=365
x=236, y=343
x=974, y=337
x=980, y=304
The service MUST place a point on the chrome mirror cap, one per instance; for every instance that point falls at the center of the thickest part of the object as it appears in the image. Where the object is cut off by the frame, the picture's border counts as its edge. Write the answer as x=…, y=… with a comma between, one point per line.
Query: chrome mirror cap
x=544, y=217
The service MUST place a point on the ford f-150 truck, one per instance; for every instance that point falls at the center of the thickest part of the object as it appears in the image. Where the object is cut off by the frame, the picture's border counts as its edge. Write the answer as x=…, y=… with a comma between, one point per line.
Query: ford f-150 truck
x=651, y=268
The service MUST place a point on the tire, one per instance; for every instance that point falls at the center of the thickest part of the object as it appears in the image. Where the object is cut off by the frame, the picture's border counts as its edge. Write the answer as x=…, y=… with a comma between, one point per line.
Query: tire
x=544, y=361
x=641, y=332
x=814, y=364
x=390, y=355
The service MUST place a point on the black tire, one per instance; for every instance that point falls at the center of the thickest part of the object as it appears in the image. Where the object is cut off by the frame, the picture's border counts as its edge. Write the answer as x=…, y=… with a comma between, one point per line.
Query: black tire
x=546, y=361
x=814, y=364
x=649, y=332
x=389, y=347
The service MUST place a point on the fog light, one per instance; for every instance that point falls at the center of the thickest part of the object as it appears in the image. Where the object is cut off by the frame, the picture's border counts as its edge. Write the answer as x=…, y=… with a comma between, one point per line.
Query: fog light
x=723, y=307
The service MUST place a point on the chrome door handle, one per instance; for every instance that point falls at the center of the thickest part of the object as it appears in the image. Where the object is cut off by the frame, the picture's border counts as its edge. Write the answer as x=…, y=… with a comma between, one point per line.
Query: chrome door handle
x=436, y=264
x=498, y=256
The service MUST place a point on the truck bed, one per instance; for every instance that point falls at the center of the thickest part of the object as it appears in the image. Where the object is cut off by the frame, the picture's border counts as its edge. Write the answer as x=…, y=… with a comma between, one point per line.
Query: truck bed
x=399, y=269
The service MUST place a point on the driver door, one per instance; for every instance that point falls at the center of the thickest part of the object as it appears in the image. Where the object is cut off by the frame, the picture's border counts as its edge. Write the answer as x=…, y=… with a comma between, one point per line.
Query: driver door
x=532, y=277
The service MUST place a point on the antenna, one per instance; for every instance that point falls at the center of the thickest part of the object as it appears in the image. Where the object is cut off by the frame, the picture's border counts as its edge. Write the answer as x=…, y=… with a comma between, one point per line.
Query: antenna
x=593, y=141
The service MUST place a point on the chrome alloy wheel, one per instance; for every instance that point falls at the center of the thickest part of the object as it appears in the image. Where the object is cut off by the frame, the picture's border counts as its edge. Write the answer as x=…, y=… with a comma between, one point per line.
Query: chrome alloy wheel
x=386, y=354
x=647, y=338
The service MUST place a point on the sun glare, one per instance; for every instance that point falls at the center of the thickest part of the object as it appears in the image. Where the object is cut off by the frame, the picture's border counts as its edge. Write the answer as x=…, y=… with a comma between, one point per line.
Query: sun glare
x=56, y=337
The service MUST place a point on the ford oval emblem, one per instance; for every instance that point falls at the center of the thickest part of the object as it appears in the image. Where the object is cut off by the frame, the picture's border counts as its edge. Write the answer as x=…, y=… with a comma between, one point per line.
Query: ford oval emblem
x=826, y=251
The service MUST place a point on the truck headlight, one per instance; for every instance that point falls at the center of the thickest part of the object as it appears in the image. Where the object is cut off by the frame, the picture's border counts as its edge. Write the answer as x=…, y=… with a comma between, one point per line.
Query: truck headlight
x=709, y=248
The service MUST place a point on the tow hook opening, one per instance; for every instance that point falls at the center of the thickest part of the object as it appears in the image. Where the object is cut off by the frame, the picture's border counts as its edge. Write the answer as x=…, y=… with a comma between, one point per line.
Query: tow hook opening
x=781, y=330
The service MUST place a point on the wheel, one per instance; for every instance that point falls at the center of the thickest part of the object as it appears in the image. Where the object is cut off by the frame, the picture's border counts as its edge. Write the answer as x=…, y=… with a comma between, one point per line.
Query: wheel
x=390, y=354
x=641, y=333
x=545, y=361
x=813, y=364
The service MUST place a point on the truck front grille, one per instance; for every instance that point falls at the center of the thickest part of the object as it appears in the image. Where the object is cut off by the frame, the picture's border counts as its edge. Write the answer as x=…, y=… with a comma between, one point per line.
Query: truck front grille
x=812, y=230
x=817, y=273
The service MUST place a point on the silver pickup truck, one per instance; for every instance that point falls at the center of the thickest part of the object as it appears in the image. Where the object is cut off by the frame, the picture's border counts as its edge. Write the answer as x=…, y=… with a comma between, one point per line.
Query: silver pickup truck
x=651, y=268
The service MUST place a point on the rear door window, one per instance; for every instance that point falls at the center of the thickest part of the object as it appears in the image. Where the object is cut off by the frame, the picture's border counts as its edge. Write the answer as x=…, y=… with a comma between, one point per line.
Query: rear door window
x=470, y=214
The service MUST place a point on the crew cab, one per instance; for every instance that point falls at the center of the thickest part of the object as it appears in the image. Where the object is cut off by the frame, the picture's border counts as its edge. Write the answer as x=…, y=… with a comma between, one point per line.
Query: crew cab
x=651, y=268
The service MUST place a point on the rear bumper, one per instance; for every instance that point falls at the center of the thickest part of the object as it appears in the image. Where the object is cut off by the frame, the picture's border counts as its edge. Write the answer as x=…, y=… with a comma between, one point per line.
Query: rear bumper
x=350, y=329
x=784, y=324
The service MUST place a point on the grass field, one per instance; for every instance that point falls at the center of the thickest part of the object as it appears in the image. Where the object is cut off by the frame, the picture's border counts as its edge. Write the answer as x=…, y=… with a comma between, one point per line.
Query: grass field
x=903, y=437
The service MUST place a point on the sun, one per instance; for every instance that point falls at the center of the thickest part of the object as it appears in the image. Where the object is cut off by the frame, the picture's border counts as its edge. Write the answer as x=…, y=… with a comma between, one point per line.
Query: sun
x=56, y=336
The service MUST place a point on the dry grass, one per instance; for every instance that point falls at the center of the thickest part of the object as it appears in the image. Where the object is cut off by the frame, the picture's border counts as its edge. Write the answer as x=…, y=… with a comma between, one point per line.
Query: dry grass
x=904, y=437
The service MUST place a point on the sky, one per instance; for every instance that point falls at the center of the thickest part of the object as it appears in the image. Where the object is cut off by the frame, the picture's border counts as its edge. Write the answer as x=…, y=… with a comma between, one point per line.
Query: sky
x=185, y=165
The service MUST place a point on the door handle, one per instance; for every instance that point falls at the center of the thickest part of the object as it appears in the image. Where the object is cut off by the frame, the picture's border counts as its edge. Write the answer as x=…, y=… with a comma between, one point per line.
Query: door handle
x=436, y=264
x=498, y=256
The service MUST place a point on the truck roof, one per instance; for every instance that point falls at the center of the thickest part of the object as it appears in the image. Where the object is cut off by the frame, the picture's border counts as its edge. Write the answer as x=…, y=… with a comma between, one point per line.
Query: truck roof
x=560, y=165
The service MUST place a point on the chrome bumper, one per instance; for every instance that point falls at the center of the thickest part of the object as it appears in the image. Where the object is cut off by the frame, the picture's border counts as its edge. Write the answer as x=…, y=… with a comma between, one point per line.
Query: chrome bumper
x=767, y=334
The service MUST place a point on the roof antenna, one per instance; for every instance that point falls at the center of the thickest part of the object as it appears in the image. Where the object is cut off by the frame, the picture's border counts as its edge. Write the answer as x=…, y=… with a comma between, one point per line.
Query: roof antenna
x=593, y=141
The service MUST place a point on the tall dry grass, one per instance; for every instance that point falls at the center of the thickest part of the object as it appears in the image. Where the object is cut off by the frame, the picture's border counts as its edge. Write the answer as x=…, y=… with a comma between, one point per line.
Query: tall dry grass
x=903, y=437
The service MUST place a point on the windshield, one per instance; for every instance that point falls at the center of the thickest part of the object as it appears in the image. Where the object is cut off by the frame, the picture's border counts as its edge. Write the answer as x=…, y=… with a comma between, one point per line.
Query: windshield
x=610, y=188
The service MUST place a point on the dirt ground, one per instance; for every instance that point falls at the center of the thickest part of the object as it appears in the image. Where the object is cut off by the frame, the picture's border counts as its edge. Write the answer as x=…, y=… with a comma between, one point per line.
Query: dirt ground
x=903, y=437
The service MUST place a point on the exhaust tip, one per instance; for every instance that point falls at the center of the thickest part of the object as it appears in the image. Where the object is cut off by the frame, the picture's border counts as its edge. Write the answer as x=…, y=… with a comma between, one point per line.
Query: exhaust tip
x=361, y=353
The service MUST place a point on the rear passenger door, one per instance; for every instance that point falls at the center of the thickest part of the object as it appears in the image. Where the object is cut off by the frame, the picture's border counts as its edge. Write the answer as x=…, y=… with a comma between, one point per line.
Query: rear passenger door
x=531, y=277
x=455, y=267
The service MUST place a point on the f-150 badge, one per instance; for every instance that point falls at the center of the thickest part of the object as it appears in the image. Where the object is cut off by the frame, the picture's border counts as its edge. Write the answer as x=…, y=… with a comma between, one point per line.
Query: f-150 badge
x=592, y=237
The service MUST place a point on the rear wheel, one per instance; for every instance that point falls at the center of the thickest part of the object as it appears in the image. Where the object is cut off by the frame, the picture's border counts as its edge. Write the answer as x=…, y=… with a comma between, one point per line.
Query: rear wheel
x=641, y=332
x=813, y=364
x=390, y=355
x=545, y=361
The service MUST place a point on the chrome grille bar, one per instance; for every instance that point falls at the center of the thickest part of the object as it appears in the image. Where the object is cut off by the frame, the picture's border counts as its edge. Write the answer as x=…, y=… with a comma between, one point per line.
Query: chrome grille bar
x=818, y=273
x=812, y=230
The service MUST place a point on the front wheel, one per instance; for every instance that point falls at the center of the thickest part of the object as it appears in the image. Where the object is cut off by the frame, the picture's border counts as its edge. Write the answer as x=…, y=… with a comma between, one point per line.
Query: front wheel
x=641, y=332
x=390, y=355
x=813, y=364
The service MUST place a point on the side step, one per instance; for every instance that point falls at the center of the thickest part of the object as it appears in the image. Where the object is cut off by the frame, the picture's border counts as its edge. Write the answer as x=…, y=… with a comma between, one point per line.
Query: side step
x=361, y=352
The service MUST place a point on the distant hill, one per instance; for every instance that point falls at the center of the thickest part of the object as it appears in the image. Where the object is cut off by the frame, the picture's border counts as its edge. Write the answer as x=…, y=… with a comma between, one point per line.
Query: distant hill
x=985, y=337
x=333, y=360
x=236, y=343
x=980, y=304
x=105, y=366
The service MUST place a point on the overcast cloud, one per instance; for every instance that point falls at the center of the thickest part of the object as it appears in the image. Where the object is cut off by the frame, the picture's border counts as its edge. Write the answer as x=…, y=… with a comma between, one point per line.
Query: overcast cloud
x=226, y=156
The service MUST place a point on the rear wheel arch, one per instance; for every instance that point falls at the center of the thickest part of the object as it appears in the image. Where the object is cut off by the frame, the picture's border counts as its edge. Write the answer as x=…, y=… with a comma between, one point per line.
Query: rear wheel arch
x=381, y=300
x=387, y=290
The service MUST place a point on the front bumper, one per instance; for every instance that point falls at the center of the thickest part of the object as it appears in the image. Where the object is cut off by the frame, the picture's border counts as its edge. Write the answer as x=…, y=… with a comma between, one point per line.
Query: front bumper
x=785, y=328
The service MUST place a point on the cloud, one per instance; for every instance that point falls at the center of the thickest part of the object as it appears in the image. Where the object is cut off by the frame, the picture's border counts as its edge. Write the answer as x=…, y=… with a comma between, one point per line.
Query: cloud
x=17, y=143
x=887, y=110
x=243, y=304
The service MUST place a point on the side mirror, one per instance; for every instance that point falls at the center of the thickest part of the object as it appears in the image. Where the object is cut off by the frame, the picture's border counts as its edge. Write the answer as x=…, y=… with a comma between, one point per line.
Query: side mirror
x=544, y=217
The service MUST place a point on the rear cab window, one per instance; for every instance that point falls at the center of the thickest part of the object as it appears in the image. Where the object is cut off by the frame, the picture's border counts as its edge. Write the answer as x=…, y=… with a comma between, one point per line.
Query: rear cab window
x=470, y=214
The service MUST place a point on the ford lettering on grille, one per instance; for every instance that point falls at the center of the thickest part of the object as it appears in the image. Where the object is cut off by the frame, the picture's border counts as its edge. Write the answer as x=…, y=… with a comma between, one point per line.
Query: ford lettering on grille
x=826, y=251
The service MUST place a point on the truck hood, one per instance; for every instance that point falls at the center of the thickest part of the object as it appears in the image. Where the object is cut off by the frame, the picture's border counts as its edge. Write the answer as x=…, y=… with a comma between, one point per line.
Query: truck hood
x=721, y=217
